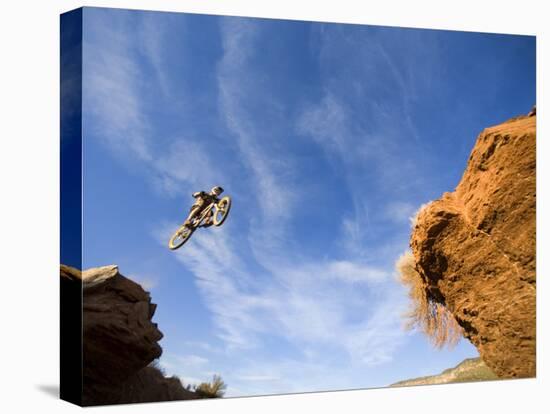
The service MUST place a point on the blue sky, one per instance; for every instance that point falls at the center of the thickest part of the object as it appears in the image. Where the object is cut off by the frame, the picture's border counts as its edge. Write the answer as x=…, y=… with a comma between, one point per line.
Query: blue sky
x=328, y=137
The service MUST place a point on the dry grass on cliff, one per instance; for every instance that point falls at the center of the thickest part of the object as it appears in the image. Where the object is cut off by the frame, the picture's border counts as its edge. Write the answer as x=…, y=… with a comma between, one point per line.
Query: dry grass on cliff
x=430, y=317
x=414, y=218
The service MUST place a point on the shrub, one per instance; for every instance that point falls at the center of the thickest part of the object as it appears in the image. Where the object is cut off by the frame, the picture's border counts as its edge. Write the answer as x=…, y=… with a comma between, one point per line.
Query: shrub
x=430, y=317
x=214, y=389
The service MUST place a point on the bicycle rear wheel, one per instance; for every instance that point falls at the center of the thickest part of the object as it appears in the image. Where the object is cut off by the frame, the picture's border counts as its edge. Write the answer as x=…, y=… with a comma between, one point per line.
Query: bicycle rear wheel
x=221, y=210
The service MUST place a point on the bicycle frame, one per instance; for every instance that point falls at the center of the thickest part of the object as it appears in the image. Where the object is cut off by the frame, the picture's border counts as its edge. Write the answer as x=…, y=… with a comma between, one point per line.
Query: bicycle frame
x=205, y=213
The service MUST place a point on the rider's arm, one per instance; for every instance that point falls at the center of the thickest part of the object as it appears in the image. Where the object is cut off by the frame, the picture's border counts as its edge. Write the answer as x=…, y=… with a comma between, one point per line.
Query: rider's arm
x=198, y=194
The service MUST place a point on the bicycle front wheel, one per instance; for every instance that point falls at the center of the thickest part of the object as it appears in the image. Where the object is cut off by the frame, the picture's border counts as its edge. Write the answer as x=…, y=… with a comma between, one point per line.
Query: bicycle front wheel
x=180, y=237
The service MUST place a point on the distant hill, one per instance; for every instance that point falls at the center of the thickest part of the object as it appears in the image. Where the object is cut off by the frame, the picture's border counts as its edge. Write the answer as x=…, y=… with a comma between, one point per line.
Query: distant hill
x=472, y=369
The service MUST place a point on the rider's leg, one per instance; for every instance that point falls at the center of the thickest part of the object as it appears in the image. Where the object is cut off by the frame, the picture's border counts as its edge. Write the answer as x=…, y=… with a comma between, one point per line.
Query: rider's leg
x=208, y=220
x=195, y=210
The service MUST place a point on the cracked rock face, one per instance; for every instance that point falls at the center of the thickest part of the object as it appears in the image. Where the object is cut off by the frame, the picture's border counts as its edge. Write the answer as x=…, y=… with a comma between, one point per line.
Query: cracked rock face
x=475, y=248
x=119, y=337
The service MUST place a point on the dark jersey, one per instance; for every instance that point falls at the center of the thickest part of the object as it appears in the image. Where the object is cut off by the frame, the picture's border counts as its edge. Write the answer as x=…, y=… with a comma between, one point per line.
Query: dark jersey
x=203, y=198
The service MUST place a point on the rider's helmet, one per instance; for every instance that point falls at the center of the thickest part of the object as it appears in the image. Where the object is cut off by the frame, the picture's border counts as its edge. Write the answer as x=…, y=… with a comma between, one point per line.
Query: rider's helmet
x=217, y=190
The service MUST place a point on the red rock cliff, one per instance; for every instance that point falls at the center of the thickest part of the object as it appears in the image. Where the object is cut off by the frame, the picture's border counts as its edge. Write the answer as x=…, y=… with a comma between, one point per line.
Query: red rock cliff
x=475, y=248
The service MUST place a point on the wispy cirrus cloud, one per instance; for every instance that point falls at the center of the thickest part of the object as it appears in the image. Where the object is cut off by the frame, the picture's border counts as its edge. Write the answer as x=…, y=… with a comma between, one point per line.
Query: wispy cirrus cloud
x=152, y=37
x=186, y=161
x=308, y=305
x=111, y=97
x=192, y=360
x=327, y=124
x=238, y=97
x=400, y=211
x=363, y=121
x=330, y=124
x=118, y=89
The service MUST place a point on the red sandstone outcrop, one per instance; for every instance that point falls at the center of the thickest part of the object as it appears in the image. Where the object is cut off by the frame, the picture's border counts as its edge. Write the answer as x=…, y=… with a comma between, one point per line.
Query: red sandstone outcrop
x=475, y=248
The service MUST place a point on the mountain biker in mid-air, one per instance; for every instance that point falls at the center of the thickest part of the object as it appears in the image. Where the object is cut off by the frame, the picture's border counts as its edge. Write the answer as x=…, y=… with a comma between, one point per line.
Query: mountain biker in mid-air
x=207, y=210
x=203, y=200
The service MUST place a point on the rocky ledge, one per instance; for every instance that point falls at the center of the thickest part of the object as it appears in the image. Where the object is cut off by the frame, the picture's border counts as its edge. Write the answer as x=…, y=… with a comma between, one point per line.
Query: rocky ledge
x=119, y=340
x=475, y=248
